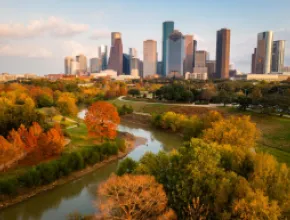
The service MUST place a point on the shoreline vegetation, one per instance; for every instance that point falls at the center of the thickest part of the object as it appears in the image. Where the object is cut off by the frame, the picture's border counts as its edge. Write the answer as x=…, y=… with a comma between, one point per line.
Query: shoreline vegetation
x=132, y=142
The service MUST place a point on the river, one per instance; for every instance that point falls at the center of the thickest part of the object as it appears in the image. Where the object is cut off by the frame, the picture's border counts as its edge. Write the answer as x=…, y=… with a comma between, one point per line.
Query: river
x=79, y=195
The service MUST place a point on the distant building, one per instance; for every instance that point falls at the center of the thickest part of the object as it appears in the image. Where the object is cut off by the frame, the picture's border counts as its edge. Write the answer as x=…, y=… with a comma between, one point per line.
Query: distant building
x=200, y=58
x=75, y=67
x=278, y=53
x=159, y=68
x=116, y=53
x=133, y=52
x=103, y=56
x=210, y=64
x=134, y=67
x=82, y=60
x=67, y=64
x=175, y=53
x=132, y=55
x=253, y=69
x=167, y=29
x=149, y=57
x=126, y=64
x=141, y=68
x=188, y=48
x=95, y=65
x=223, y=53
x=262, y=77
x=264, y=52
x=194, y=51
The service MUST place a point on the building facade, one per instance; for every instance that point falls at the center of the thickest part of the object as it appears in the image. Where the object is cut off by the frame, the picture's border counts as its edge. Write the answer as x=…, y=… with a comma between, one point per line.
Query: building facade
x=75, y=67
x=95, y=65
x=223, y=53
x=114, y=37
x=175, y=53
x=67, y=65
x=149, y=58
x=126, y=64
x=194, y=51
x=134, y=67
x=253, y=67
x=264, y=52
x=200, y=58
x=103, y=56
x=82, y=60
x=167, y=29
x=188, y=48
x=116, y=54
x=278, y=54
x=210, y=64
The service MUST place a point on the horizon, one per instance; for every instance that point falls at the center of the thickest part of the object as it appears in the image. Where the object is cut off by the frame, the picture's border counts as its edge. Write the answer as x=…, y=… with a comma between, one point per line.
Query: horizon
x=36, y=38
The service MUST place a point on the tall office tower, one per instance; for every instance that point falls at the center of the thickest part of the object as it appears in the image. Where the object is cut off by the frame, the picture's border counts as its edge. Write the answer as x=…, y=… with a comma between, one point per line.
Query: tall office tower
x=149, y=57
x=200, y=58
x=133, y=52
x=210, y=64
x=126, y=64
x=264, y=52
x=159, y=68
x=116, y=54
x=134, y=67
x=175, y=53
x=253, y=67
x=223, y=53
x=278, y=53
x=103, y=55
x=95, y=65
x=82, y=59
x=114, y=37
x=188, y=47
x=167, y=29
x=194, y=51
x=75, y=67
x=141, y=68
x=67, y=65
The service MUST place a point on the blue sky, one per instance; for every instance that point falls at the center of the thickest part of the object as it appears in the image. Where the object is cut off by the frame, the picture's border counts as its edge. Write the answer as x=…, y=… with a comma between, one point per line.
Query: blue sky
x=35, y=35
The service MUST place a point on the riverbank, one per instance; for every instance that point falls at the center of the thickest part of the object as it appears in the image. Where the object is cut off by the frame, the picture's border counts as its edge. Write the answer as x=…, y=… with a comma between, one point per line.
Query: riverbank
x=131, y=143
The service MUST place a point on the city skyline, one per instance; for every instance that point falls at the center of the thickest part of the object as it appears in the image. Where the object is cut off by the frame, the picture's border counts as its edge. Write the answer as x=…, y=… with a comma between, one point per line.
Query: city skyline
x=38, y=38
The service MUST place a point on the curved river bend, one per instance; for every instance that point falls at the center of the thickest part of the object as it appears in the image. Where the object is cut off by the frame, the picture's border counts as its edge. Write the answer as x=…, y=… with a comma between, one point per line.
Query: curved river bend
x=79, y=195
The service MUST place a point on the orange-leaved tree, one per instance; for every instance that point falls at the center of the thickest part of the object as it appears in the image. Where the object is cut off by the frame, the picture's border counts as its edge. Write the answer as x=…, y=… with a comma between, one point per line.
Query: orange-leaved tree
x=102, y=120
x=133, y=197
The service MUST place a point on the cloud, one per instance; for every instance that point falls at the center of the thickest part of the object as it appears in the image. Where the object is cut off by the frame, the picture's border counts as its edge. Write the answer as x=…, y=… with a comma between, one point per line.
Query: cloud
x=24, y=51
x=100, y=34
x=54, y=26
x=73, y=48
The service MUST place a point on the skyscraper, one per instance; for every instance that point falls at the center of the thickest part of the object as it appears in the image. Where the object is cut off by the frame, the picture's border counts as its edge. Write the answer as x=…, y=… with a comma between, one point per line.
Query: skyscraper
x=200, y=58
x=149, y=57
x=67, y=65
x=132, y=55
x=188, y=47
x=278, y=53
x=194, y=51
x=126, y=64
x=264, y=52
x=75, y=67
x=103, y=56
x=82, y=59
x=253, y=69
x=134, y=67
x=133, y=52
x=168, y=27
x=95, y=65
x=175, y=53
x=223, y=53
x=210, y=64
x=114, y=36
x=116, y=54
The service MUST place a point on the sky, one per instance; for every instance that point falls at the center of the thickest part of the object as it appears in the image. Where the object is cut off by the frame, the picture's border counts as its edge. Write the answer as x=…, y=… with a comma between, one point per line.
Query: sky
x=36, y=35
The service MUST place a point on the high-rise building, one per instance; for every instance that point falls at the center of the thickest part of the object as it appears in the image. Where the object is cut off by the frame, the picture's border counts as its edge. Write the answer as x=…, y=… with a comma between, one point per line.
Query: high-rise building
x=67, y=65
x=134, y=67
x=149, y=57
x=223, y=53
x=167, y=29
x=194, y=51
x=126, y=64
x=116, y=54
x=75, y=67
x=82, y=59
x=95, y=65
x=278, y=53
x=133, y=52
x=132, y=55
x=175, y=53
x=253, y=69
x=114, y=36
x=159, y=68
x=210, y=64
x=188, y=48
x=141, y=68
x=200, y=58
x=103, y=56
x=264, y=52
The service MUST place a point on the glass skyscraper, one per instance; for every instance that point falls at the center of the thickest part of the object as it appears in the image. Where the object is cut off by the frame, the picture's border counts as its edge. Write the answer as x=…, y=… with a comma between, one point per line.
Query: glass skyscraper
x=168, y=27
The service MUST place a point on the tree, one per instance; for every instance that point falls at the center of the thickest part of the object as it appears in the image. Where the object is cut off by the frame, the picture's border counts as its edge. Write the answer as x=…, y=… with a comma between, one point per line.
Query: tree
x=236, y=131
x=133, y=197
x=134, y=92
x=67, y=104
x=102, y=120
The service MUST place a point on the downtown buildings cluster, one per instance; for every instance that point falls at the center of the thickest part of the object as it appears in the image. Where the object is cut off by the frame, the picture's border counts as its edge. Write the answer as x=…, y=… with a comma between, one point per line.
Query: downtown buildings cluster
x=180, y=58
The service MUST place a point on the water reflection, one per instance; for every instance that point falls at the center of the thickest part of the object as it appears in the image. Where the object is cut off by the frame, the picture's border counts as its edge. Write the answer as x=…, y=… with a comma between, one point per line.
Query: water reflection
x=80, y=194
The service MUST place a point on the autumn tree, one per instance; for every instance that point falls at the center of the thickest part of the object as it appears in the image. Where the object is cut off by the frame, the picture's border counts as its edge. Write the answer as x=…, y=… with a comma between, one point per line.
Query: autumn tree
x=133, y=197
x=102, y=120
x=67, y=104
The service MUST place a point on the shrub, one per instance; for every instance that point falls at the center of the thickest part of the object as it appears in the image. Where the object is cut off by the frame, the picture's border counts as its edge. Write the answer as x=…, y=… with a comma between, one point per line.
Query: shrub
x=30, y=178
x=128, y=165
x=121, y=144
x=8, y=186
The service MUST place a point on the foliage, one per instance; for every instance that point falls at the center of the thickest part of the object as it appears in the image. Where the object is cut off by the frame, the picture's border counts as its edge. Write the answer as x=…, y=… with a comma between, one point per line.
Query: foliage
x=102, y=120
x=67, y=104
x=128, y=165
x=125, y=109
x=146, y=198
x=174, y=92
x=134, y=92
